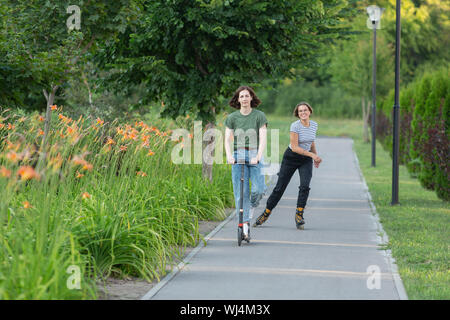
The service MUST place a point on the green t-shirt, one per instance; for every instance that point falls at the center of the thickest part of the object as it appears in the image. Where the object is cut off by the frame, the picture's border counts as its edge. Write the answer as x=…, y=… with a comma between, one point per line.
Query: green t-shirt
x=246, y=128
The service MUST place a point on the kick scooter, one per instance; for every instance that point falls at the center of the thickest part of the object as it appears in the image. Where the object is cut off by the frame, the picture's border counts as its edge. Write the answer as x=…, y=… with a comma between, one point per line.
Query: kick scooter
x=240, y=233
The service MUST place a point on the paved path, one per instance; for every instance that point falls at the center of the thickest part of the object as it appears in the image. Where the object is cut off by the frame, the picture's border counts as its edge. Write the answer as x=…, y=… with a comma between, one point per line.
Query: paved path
x=330, y=259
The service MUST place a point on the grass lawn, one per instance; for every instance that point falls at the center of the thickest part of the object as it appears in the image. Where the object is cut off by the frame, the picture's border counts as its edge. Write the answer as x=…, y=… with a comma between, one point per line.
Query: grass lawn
x=418, y=228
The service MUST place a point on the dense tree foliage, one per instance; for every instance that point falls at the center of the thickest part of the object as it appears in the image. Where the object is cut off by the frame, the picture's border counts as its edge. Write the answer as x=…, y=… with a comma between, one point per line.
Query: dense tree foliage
x=189, y=53
x=39, y=52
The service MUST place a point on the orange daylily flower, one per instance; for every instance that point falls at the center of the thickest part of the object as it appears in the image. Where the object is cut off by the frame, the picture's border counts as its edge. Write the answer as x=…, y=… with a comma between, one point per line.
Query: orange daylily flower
x=141, y=173
x=27, y=173
x=88, y=167
x=79, y=160
x=85, y=195
x=54, y=107
x=150, y=153
x=100, y=121
x=41, y=132
x=5, y=172
x=12, y=145
x=110, y=141
x=79, y=175
x=11, y=126
x=132, y=136
x=2, y=125
x=123, y=148
x=64, y=118
x=26, y=205
x=41, y=119
x=12, y=156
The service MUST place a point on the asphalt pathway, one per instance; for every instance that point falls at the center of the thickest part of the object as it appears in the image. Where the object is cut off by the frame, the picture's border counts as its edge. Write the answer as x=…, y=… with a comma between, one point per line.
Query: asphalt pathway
x=337, y=256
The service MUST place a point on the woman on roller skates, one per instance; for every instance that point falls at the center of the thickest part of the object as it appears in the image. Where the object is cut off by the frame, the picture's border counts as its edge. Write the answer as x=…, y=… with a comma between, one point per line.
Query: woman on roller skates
x=298, y=156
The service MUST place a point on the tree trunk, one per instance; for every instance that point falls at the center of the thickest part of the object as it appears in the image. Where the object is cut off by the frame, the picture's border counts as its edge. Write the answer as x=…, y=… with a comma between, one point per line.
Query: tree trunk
x=366, y=113
x=50, y=100
x=88, y=88
x=207, y=168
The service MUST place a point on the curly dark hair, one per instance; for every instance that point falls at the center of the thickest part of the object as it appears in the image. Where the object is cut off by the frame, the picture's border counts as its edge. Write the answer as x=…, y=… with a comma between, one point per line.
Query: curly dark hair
x=303, y=103
x=234, y=102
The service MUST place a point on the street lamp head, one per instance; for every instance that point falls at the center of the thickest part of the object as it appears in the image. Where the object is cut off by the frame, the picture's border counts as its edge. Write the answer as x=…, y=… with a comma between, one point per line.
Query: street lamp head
x=375, y=13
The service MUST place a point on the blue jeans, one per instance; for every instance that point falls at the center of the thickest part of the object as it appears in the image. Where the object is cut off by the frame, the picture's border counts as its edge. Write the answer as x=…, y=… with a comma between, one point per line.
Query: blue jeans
x=251, y=173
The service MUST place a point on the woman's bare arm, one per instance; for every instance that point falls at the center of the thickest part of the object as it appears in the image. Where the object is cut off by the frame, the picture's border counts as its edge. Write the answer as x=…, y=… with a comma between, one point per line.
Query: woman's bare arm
x=299, y=150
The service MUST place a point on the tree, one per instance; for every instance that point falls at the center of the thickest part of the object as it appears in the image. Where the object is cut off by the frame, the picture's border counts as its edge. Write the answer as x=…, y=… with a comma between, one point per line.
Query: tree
x=351, y=69
x=189, y=53
x=425, y=33
x=42, y=49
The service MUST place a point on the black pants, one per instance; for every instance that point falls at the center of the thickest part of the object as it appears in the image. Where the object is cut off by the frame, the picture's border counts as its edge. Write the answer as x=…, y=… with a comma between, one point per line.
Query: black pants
x=291, y=162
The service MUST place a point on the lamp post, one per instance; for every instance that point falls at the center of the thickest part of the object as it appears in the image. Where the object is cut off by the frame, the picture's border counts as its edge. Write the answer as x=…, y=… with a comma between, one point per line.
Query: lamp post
x=374, y=23
x=396, y=120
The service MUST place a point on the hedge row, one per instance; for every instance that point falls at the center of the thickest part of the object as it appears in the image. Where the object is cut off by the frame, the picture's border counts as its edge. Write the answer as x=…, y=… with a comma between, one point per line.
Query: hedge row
x=424, y=122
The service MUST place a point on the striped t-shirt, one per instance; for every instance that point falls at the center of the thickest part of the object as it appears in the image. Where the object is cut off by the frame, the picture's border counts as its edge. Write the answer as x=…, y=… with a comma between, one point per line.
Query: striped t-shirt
x=306, y=135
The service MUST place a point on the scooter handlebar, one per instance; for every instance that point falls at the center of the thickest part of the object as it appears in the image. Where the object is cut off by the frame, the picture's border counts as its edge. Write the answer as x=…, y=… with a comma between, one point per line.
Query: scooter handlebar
x=244, y=162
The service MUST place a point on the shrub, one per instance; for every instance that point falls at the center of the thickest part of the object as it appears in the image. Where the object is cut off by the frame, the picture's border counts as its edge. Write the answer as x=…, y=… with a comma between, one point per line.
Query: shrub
x=418, y=137
x=431, y=133
x=424, y=121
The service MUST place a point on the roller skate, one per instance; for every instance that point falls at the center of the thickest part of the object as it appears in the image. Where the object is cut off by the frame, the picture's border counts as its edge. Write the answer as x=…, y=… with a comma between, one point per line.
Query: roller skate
x=262, y=218
x=299, y=220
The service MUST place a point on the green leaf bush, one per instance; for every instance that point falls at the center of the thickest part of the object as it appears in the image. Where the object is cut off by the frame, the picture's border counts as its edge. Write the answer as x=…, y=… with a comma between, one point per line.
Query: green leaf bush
x=424, y=120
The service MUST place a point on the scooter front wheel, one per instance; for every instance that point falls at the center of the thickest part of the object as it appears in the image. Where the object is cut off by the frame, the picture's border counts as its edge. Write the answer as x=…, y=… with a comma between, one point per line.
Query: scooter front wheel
x=240, y=236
